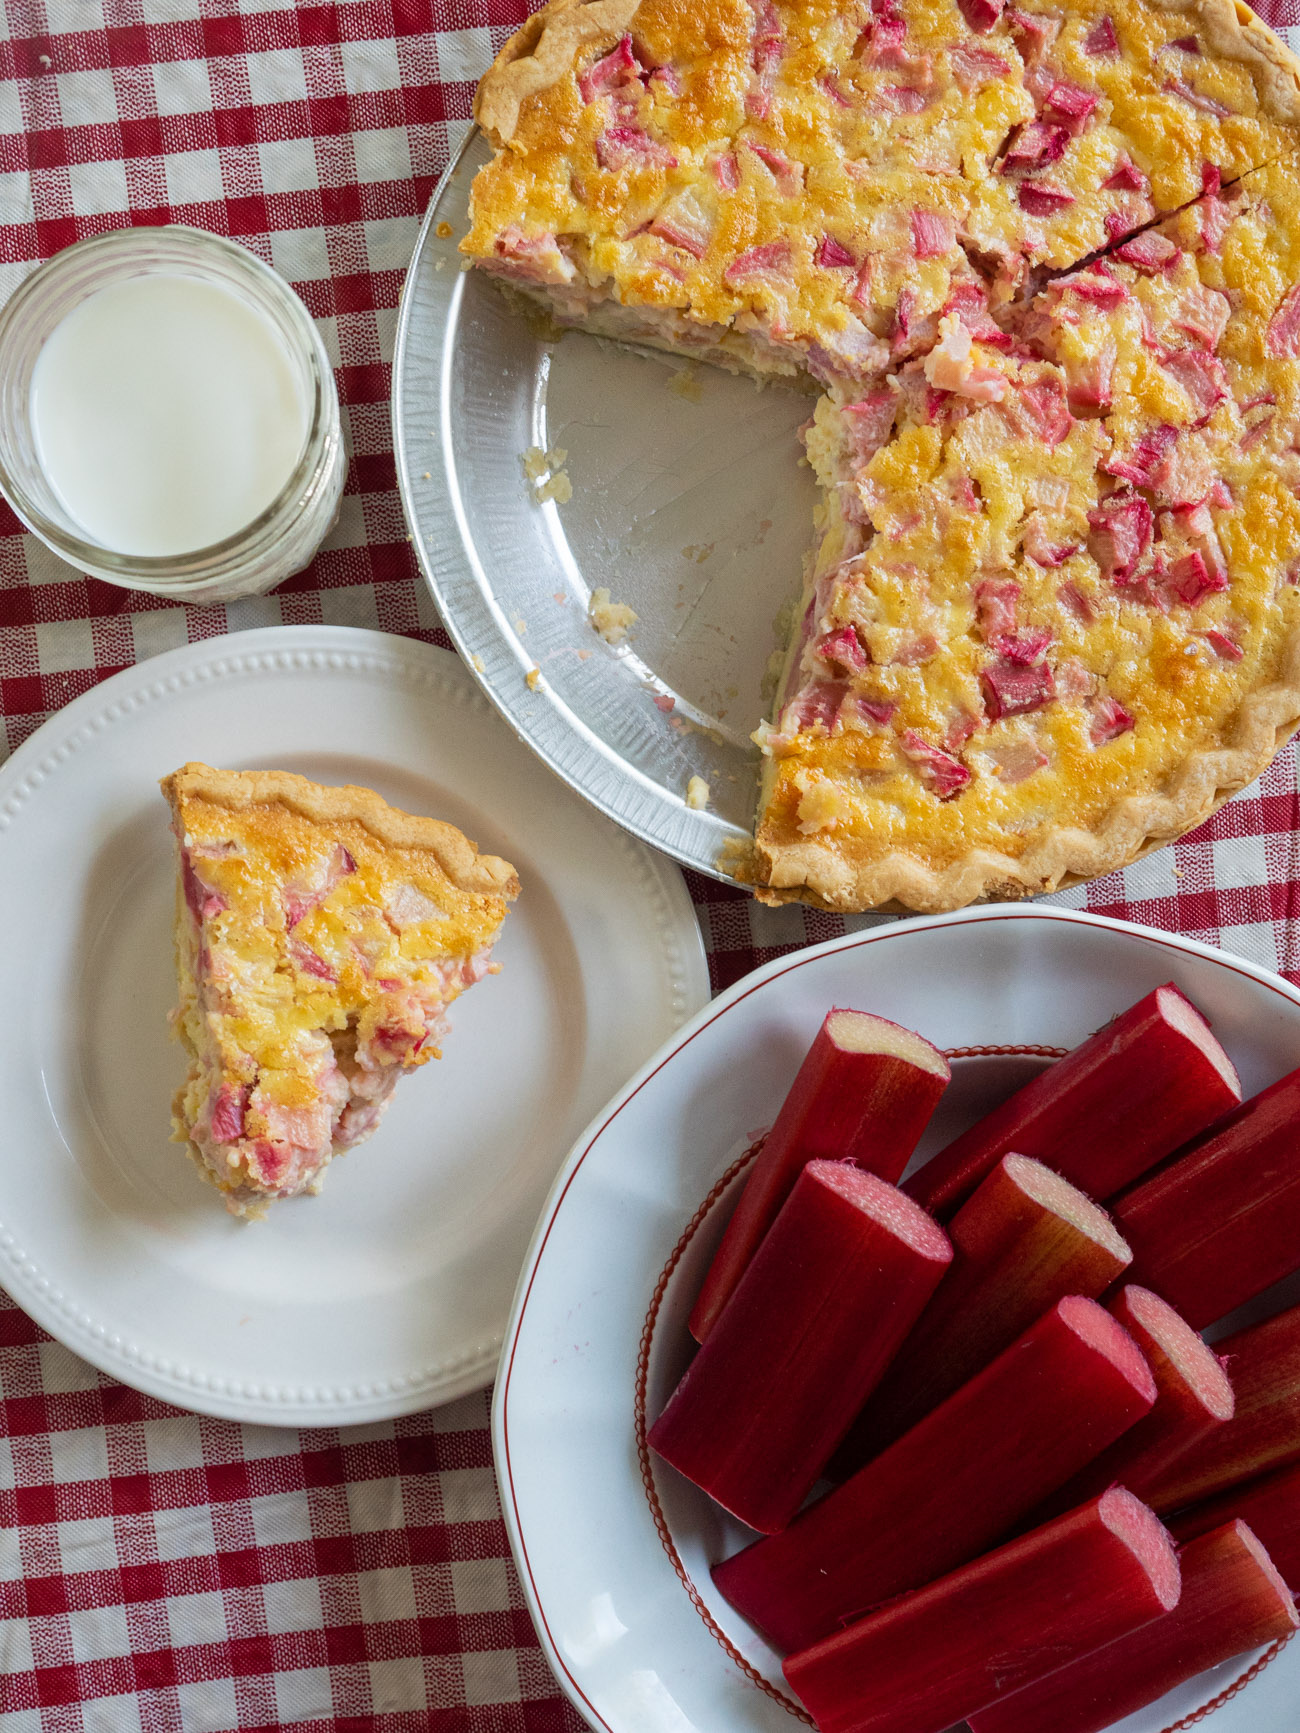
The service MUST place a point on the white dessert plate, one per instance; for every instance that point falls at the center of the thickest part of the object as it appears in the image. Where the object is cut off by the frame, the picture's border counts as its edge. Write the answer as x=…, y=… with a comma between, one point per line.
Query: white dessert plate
x=626, y=1625
x=390, y=1290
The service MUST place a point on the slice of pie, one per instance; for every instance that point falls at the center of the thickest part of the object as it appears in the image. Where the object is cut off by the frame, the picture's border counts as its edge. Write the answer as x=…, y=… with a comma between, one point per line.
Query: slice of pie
x=321, y=935
x=1044, y=264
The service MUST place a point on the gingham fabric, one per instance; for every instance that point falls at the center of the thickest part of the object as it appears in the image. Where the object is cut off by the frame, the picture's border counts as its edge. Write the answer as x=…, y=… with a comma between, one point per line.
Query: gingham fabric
x=159, y=1571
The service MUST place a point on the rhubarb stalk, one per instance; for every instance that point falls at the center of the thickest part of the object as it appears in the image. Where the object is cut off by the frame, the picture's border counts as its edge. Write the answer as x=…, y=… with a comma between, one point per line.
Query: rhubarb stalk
x=835, y=1287
x=864, y=1093
x=1221, y=1223
x=953, y=1485
x=1270, y=1507
x=1233, y=1599
x=1025, y=1240
x=1263, y=1363
x=1193, y=1397
x=953, y=1648
x=1104, y=1114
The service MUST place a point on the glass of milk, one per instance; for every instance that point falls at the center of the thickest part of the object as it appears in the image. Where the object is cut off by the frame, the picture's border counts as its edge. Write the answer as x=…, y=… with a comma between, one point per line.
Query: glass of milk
x=168, y=415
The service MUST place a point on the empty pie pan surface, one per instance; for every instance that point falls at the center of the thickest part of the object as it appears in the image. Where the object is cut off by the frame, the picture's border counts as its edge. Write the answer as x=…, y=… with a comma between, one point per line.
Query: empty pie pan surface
x=690, y=505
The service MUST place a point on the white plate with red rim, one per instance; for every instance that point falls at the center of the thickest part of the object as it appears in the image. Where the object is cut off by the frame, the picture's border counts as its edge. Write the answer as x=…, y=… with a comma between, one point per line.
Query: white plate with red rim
x=631, y=1623
x=390, y=1291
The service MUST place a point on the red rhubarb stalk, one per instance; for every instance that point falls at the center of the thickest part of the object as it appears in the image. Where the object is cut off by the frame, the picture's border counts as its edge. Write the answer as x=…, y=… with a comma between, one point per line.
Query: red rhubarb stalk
x=953, y=1485
x=1025, y=1240
x=995, y=1626
x=818, y=1315
x=864, y=1093
x=1221, y=1223
x=1104, y=1114
x=1194, y=1395
x=1271, y=1508
x=1263, y=1363
x=1233, y=1599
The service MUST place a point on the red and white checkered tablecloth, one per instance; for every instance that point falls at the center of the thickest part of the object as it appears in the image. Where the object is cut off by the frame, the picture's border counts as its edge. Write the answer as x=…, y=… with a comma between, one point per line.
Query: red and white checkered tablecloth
x=173, y=1574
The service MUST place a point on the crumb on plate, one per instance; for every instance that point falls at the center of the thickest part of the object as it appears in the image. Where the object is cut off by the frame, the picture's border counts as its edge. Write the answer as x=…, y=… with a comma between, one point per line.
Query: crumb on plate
x=559, y=488
x=685, y=383
x=697, y=794
x=613, y=620
x=544, y=472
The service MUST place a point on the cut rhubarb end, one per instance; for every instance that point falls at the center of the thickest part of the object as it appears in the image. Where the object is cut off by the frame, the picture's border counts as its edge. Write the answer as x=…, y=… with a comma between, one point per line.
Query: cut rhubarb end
x=1269, y=1506
x=1103, y=1115
x=863, y=1032
x=1273, y=1584
x=1179, y=1012
x=885, y=1204
x=1167, y=1337
x=1068, y=1203
x=1095, y=1326
x=1146, y=1537
x=1220, y=1222
x=954, y=1485
x=1193, y=1395
x=814, y=1321
x=998, y=1625
x=1025, y=1239
x=1232, y=1600
x=1263, y=1363
x=864, y=1093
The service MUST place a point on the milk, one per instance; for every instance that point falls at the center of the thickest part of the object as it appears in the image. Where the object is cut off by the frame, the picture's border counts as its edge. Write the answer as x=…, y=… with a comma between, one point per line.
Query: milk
x=167, y=414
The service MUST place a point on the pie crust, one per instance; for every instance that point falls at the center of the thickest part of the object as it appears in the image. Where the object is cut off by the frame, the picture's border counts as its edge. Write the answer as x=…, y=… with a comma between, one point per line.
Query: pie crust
x=1029, y=649
x=320, y=936
x=485, y=875
x=545, y=48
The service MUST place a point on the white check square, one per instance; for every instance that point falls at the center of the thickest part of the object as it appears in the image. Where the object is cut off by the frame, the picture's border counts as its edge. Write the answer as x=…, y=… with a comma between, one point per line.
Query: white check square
x=88, y=97
x=277, y=75
x=491, y=1677
x=193, y=177
x=288, y=165
x=463, y=55
x=98, y=188
x=182, y=87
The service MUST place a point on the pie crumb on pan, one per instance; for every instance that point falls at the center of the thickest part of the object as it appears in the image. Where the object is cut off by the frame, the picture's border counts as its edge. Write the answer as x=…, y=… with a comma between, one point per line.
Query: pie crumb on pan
x=321, y=935
x=1043, y=262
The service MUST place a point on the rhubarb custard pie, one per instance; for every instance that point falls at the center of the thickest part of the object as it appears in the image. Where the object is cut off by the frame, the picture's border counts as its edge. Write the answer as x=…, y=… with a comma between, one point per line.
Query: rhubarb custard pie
x=321, y=935
x=1043, y=263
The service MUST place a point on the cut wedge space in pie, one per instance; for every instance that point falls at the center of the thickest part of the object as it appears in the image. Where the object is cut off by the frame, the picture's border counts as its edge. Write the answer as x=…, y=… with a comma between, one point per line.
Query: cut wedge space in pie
x=321, y=935
x=1043, y=262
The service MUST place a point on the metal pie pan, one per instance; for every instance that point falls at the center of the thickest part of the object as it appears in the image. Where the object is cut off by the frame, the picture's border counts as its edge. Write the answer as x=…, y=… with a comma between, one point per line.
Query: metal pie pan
x=690, y=504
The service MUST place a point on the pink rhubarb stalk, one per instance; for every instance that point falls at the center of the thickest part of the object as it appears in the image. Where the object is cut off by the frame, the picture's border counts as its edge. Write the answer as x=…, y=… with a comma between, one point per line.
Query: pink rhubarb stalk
x=953, y=1485
x=1221, y=1223
x=1271, y=1508
x=1104, y=1114
x=996, y=1626
x=1233, y=1599
x=1025, y=1240
x=821, y=1311
x=1194, y=1395
x=864, y=1093
x=1263, y=1363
